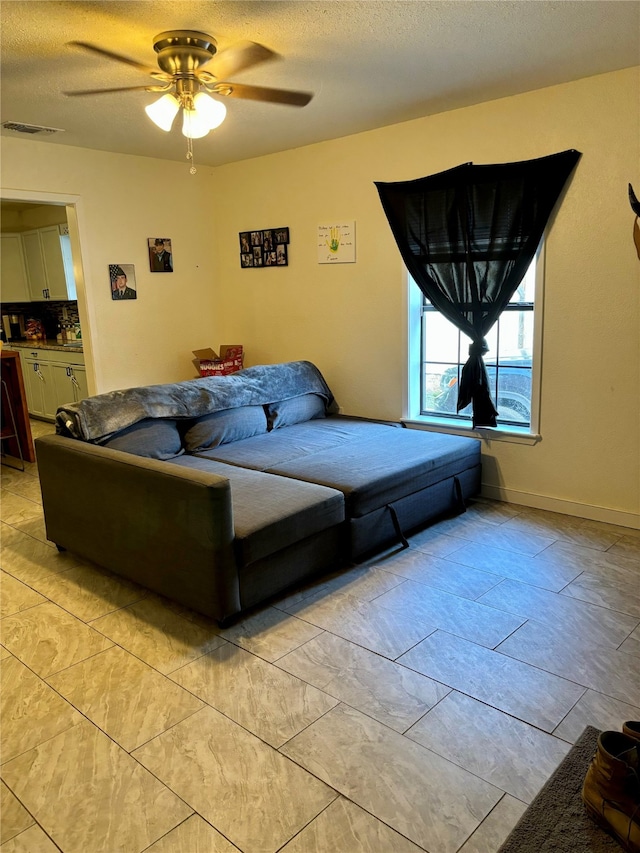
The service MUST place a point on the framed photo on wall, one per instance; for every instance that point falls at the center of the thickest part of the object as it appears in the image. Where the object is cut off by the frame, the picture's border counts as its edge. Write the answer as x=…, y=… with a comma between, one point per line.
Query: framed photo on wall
x=123, y=281
x=160, y=254
x=264, y=248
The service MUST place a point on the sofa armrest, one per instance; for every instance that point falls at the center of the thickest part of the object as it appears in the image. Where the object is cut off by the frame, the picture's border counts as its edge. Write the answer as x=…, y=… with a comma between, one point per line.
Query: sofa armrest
x=163, y=526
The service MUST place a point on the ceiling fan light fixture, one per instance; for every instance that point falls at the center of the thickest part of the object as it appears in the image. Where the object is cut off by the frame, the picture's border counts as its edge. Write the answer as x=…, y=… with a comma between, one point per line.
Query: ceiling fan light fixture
x=163, y=111
x=209, y=109
x=194, y=126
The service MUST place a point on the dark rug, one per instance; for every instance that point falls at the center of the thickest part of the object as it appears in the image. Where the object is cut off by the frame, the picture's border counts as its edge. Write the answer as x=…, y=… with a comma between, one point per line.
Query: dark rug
x=556, y=821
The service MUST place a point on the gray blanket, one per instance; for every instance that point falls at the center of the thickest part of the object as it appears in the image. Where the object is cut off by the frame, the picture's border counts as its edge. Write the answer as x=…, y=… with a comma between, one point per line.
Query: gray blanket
x=97, y=418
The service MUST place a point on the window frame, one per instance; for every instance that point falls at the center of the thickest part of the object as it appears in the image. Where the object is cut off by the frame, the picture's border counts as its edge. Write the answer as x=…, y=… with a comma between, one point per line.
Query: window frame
x=439, y=423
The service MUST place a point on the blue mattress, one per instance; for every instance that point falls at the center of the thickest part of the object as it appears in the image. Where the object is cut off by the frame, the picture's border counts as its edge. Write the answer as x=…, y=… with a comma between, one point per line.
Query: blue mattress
x=372, y=464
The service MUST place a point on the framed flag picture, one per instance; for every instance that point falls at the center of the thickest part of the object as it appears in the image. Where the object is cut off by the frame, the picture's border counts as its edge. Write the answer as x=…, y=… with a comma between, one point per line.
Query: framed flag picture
x=123, y=281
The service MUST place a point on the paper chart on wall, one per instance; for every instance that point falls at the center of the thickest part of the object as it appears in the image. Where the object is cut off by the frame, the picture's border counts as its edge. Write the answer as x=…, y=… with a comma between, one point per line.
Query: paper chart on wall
x=337, y=243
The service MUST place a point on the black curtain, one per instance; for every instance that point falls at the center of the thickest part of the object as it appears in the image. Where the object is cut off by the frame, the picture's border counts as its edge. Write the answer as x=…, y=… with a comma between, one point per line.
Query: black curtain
x=468, y=236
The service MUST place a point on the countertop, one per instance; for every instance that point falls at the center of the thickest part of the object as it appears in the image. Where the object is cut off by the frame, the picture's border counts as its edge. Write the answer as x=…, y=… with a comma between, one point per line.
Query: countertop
x=50, y=343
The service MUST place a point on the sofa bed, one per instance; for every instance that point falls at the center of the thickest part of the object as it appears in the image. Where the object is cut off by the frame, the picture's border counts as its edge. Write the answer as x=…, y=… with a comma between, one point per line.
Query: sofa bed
x=222, y=492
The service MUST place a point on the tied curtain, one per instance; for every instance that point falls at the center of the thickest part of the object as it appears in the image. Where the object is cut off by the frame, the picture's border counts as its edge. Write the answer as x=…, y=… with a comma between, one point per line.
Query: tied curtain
x=468, y=236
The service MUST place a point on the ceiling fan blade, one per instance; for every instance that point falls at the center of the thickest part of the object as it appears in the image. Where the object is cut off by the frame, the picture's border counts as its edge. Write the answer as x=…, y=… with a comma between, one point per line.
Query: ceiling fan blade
x=117, y=89
x=261, y=93
x=100, y=51
x=239, y=56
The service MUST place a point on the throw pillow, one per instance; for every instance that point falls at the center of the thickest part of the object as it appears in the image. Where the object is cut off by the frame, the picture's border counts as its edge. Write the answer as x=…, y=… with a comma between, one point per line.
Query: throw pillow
x=156, y=438
x=224, y=427
x=295, y=410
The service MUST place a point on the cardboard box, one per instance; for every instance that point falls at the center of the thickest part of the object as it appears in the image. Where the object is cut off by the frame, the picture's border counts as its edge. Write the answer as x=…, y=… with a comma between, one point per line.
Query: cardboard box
x=210, y=363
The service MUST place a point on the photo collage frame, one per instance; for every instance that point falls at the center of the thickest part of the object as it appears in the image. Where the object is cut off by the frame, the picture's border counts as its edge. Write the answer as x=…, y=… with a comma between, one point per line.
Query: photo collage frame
x=265, y=248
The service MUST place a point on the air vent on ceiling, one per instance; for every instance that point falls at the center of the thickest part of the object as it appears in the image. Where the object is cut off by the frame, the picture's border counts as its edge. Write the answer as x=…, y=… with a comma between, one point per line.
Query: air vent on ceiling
x=20, y=127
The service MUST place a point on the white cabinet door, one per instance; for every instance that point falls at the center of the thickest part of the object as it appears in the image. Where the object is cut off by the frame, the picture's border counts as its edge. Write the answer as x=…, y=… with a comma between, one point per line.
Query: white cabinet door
x=15, y=287
x=70, y=383
x=27, y=368
x=34, y=262
x=45, y=265
x=41, y=399
x=53, y=263
x=79, y=382
x=63, y=388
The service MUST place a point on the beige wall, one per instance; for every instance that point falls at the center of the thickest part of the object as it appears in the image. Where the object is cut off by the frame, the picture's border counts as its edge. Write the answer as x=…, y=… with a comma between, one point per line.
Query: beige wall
x=121, y=201
x=350, y=319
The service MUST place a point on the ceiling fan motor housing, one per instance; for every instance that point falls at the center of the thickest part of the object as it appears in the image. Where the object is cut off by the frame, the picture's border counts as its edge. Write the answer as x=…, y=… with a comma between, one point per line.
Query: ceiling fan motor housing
x=181, y=55
x=183, y=51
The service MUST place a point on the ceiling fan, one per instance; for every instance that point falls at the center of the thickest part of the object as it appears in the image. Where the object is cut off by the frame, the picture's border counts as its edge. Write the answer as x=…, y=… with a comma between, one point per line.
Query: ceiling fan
x=181, y=55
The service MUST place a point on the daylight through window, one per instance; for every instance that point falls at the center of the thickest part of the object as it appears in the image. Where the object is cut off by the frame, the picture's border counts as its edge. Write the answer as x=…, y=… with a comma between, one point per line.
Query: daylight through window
x=509, y=362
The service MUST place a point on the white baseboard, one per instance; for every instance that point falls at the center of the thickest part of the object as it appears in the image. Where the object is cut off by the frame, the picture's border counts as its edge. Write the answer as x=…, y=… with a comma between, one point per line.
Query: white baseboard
x=594, y=513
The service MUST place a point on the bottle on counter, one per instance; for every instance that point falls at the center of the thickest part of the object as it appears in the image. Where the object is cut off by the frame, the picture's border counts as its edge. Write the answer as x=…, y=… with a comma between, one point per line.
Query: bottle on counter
x=68, y=332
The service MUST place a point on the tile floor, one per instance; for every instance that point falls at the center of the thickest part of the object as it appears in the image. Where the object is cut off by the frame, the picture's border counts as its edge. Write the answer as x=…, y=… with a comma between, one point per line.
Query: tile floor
x=414, y=703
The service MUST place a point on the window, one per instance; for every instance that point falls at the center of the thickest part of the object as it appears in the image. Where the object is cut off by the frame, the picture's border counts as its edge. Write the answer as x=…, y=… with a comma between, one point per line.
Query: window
x=512, y=360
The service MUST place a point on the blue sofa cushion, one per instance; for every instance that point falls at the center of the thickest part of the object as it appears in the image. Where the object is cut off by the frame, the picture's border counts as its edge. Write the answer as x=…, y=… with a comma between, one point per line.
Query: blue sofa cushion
x=295, y=410
x=263, y=452
x=224, y=427
x=155, y=438
x=271, y=513
x=377, y=470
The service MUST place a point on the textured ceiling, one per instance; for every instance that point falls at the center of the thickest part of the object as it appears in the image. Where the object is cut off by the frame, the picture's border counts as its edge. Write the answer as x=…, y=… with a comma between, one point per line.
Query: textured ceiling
x=369, y=64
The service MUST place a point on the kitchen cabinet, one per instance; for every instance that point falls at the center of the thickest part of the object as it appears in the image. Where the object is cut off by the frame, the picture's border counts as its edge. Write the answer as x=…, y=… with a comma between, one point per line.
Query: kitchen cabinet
x=45, y=265
x=54, y=263
x=39, y=388
x=34, y=262
x=51, y=379
x=70, y=383
x=13, y=272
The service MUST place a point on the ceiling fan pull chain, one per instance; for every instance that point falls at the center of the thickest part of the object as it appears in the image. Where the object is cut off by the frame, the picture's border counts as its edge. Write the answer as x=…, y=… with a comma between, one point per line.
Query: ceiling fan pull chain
x=192, y=169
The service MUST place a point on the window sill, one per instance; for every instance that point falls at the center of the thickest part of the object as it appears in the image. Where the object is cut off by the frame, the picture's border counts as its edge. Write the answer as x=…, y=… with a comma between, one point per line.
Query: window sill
x=512, y=434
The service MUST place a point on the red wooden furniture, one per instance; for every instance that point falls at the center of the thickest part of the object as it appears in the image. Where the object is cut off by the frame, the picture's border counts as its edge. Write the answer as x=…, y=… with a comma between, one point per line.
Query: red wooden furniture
x=15, y=431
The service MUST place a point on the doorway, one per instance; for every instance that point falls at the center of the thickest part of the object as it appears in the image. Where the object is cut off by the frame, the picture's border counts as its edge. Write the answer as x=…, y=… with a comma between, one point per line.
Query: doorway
x=21, y=200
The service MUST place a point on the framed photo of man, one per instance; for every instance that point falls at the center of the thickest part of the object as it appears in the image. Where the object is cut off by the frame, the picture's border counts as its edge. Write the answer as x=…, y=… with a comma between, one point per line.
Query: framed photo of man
x=123, y=281
x=160, y=254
